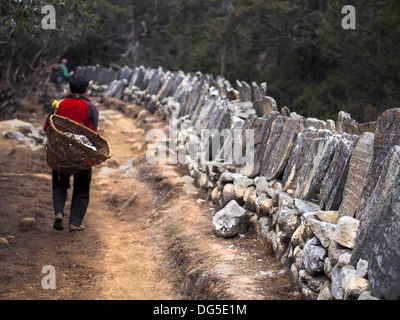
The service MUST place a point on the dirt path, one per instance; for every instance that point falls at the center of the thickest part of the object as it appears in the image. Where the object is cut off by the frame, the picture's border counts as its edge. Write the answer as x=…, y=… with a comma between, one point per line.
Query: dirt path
x=146, y=238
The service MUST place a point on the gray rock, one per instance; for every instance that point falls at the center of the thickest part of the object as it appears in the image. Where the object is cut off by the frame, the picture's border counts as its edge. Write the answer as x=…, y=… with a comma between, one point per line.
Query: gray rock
x=322, y=230
x=335, y=178
x=29, y=142
x=261, y=184
x=262, y=128
x=359, y=166
x=314, y=255
x=115, y=89
x=303, y=206
x=344, y=259
x=286, y=206
x=281, y=139
x=335, y=250
x=386, y=136
x=348, y=272
x=137, y=77
x=214, y=135
x=125, y=73
x=378, y=234
x=315, y=283
x=289, y=224
x=205, y=113
x=346, y=124
x=192, y=99
x=198, y=102
x=230, y=148
x=154, y=83
x=244, y=91
x=316, y=123
x=309, y=162
x=241, y=184
x=362, y=268
x=230, y=220
x=366, y=295
x=328, y=267
x=337, y=289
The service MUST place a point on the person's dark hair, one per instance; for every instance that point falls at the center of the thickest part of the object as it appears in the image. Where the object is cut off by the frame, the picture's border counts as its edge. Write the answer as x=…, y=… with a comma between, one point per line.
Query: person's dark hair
x=78, y=84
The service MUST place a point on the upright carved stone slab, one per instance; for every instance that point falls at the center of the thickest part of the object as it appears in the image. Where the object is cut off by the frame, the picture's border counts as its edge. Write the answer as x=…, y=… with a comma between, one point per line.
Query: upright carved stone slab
x=155, y=82
x=387, y=135
x=359, y=166
x=281, y=139
x=244, y=91
x=193, y=98
x=262, y=127
x=137, y=77
x=378, y=239
x=333, y=183
x=309, y=162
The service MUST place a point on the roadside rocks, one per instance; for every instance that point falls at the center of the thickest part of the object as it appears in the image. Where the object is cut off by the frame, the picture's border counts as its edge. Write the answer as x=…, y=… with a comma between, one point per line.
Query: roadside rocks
x=230, y=221
x=25, y=132
x=322, y=195
x=27, y=224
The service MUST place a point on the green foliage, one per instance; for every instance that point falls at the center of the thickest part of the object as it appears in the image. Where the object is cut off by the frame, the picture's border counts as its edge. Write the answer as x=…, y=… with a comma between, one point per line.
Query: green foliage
x=26, y=46
x=310, y=63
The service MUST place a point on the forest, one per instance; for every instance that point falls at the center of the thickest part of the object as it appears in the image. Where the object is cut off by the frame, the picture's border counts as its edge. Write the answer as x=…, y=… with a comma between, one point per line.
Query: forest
x=310, y=62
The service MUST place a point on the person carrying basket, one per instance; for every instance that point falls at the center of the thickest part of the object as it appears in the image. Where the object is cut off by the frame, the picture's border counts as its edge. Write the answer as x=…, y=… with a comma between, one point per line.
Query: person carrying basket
x=77, y=107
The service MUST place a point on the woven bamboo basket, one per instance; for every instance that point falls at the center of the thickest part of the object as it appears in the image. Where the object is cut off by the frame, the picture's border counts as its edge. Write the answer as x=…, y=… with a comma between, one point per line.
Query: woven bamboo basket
x=68, y=156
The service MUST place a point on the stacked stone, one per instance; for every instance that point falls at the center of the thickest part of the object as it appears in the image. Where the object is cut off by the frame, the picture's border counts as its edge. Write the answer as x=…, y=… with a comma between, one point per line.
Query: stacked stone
x=324, y=196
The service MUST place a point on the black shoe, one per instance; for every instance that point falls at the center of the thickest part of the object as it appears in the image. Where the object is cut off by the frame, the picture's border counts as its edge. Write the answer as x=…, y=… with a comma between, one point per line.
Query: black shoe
x=58, y=221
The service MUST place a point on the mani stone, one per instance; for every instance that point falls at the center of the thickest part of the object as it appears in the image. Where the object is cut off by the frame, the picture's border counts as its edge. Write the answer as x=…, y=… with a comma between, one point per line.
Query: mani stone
x=378, y=240
x=137, y=77
x=333, y=183
x=309, y=161
x=227, y=153
x=192, y=99
x=125, y=73
x=230, y=220
x=198, y=105
x=281, y=139
x=387, y=135
x=359, y=166
x=244, y=91
x=262, y=128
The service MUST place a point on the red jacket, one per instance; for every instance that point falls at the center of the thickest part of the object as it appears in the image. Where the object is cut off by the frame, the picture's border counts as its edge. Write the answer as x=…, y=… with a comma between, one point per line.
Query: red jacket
x=77, y=108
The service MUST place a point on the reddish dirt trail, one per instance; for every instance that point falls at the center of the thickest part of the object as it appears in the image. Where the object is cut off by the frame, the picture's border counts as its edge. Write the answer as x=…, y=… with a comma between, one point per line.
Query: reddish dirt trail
x=146, y=238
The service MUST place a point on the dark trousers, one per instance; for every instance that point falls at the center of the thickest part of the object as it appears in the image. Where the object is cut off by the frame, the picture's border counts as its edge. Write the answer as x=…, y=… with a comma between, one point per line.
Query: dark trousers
x=80, y=195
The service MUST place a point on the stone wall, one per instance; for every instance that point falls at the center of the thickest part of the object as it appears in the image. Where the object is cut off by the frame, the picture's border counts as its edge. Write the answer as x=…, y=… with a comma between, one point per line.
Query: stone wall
x=324, y=196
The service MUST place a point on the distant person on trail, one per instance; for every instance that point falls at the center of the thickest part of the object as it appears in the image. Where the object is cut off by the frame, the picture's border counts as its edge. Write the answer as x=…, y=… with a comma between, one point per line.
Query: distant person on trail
x=76, y=106
x=59, y=75
x=65, y=75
